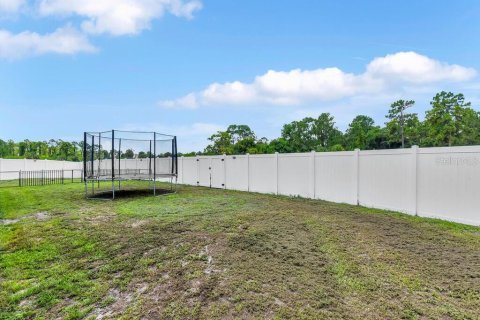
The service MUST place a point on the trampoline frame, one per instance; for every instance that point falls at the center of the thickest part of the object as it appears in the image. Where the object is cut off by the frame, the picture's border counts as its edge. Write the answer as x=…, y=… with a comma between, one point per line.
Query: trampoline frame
x=115, y=174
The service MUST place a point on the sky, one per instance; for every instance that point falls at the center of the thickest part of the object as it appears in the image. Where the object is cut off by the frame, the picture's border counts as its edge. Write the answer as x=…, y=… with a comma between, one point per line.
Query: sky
x=192, y=67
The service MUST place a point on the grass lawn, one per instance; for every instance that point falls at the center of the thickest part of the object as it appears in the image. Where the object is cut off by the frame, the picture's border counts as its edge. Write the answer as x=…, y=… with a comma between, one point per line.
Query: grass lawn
x=205, y=253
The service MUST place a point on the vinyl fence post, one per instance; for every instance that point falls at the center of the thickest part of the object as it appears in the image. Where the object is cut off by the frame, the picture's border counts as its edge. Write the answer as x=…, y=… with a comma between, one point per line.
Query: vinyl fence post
x=415, y=178
x=181, y=180
x=20, y=178
x=198, y=170
x=224, y=160
x=275, y=177
x=356, y=176
x=210, y=163
x=0, y=169
x=312, y=175
x=248, y=172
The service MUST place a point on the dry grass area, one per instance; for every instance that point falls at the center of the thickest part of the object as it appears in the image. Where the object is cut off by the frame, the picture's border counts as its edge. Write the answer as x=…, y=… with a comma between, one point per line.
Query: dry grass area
x=205, y=254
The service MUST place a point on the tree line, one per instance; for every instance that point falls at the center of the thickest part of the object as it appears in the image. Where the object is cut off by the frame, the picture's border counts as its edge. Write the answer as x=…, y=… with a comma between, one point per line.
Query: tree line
x=62, y=150
x=51, y=150
x=450, y=121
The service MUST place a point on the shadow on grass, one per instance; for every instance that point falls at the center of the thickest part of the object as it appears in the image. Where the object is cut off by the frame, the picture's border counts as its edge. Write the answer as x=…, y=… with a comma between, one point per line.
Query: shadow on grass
x=129, y=194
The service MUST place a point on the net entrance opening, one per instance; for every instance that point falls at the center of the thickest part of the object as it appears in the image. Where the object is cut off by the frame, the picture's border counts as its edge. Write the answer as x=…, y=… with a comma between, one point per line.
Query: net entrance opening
x=111, y=158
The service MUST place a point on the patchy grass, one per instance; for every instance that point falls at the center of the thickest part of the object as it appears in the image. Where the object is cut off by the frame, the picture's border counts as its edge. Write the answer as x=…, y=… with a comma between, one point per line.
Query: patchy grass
x=203, y=253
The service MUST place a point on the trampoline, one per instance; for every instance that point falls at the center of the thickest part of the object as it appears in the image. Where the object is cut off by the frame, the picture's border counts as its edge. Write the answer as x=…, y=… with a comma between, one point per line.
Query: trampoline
x=115, y=157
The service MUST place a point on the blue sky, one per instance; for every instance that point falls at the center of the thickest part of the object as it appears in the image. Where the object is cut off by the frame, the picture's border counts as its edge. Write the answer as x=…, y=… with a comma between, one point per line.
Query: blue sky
x=192, y=67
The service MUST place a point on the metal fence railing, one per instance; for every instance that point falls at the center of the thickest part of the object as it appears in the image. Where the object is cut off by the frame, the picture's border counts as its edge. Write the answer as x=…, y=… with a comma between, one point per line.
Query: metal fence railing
x=40, y=178
x=25, y=178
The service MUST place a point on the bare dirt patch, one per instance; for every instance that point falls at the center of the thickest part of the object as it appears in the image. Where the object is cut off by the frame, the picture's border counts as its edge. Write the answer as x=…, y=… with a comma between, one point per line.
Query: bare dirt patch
x=8, y=221
x=39, y=216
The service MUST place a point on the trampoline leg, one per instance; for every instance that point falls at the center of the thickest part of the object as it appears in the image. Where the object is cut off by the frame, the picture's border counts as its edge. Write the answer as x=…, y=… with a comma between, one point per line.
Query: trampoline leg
x=86, y=189
x=154, y=187
x=113, y=189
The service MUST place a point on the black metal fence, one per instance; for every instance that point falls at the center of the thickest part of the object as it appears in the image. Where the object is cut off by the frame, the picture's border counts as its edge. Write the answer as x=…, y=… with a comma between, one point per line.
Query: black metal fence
x=26, y=178
x=40, y=178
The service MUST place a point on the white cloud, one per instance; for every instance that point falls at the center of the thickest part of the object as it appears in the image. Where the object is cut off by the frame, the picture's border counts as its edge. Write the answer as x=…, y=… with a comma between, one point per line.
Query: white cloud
x=11, y=6
x=415, y=68
x=64, y=40
x=118, y=17
x=115, y=17
x=297, y=87
x=188, y=102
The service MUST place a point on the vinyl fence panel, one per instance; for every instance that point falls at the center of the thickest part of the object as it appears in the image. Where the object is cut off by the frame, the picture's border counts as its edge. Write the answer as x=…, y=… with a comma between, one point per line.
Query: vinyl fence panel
x=262, y=173
x=335, y=177
x=294, y=173
x=204, y=171
x=387, y=180
x=189, y=170
x=449, y=184
x=236, y=172
x=217, y=172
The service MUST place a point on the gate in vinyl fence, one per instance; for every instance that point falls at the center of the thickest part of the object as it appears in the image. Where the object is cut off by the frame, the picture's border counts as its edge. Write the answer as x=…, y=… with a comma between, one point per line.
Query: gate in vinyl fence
x=211, y=172
x=40, y=178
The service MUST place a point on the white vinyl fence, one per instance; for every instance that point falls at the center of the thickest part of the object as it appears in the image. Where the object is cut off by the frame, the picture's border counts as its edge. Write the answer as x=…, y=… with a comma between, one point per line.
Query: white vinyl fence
x=9, y=168
x=430, y=182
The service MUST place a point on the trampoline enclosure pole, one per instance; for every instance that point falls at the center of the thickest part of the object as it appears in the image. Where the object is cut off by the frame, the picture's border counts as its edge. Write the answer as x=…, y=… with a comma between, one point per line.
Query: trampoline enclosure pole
x=92, y=154
x=150, y=160
x=84, y=156
x=113, y=164
x=119, y=159
x=99, y=157
x=154, y=163
x=173, y=154
x=176, y=155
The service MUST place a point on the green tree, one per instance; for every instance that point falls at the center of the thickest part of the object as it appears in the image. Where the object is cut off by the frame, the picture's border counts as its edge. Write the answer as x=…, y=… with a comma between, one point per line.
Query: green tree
x=298, y=135
x=448, y=119
x=280, y=145
x=240, y=132
x=309, y=134
x=221, y=143
x=471, y=133
x=129, y=154
x=3, y=149
x=262, y=146
x=401, y=123
x=326, y=134
x=237, y=139
x=362, y=133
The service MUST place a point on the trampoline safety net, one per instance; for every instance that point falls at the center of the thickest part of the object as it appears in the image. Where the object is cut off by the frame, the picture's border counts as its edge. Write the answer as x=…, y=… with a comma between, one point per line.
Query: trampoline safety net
x=127, y=155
